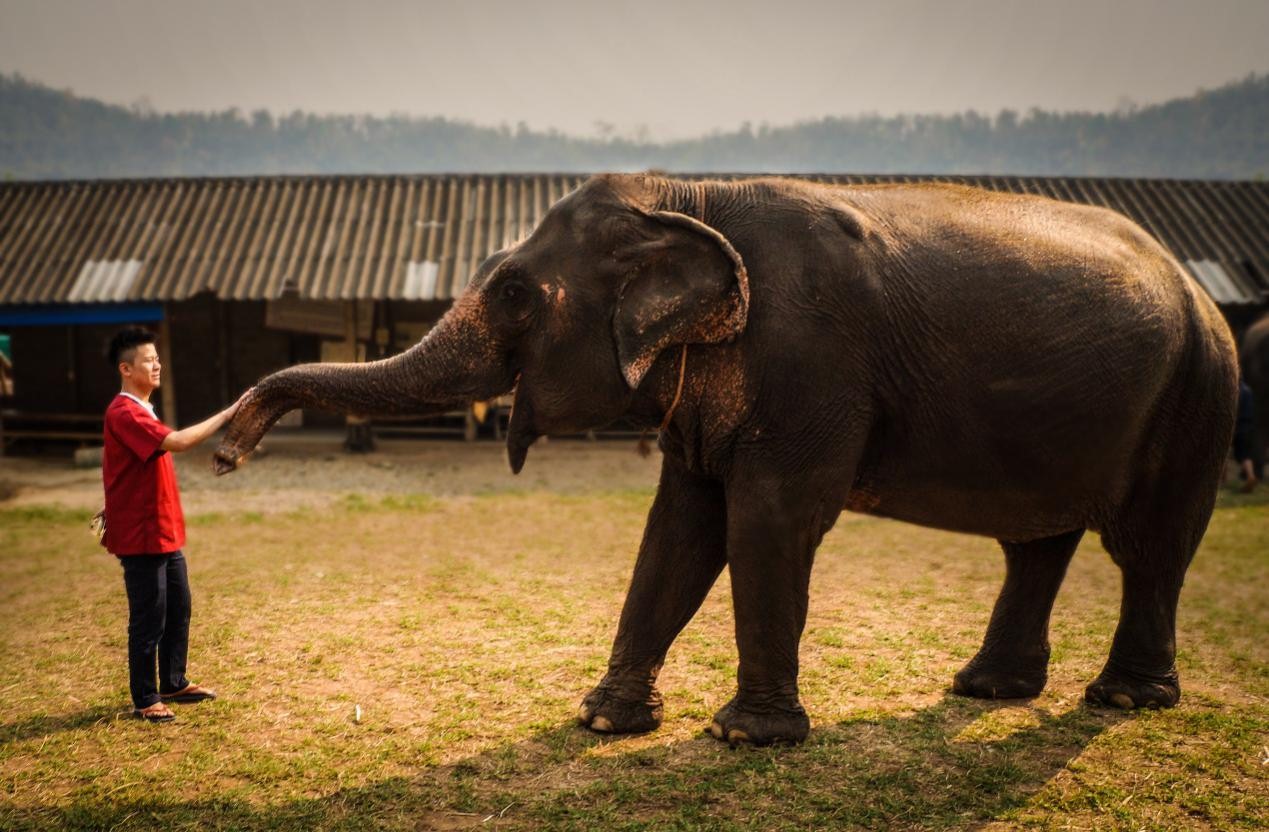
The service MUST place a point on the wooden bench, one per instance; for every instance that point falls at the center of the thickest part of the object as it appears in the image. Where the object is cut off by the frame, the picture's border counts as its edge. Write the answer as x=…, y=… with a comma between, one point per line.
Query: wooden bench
x=26, y=424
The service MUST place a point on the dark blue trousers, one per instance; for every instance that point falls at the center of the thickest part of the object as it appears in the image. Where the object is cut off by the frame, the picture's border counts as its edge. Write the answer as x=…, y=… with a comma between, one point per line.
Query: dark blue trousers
x=158, y=624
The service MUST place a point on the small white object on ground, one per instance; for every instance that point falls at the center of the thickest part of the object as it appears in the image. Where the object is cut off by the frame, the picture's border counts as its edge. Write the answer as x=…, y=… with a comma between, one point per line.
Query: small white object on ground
x=356, y=713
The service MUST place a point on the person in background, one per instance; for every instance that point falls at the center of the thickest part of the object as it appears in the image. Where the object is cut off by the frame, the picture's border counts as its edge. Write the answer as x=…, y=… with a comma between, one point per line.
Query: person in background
x=145, y=527
x=1245, y=438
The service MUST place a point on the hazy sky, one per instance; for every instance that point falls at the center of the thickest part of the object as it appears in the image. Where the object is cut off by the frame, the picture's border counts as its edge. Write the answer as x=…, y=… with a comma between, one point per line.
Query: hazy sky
x=678, y=68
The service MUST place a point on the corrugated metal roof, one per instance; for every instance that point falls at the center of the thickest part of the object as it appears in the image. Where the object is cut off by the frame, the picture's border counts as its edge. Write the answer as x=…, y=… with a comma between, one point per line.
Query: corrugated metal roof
x=421, y=237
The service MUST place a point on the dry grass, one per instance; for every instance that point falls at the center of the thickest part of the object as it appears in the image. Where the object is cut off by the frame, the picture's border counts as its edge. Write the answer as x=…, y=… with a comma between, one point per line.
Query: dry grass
x=467, y=629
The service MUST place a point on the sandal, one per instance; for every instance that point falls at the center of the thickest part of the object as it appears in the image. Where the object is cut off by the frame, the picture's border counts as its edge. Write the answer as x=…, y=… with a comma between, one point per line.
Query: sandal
x=190, y=693
x=158, y=712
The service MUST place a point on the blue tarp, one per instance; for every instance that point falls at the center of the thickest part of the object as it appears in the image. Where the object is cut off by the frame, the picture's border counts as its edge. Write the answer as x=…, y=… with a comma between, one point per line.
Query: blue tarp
x=49, y=314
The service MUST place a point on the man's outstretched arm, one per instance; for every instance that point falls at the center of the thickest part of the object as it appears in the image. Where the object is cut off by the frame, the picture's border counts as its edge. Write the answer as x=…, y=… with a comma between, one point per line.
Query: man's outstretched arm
x=186, y=438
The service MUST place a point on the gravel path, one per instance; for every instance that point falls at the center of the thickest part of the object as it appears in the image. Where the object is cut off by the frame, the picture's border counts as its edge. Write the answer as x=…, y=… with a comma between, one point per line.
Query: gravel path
x=308, y=469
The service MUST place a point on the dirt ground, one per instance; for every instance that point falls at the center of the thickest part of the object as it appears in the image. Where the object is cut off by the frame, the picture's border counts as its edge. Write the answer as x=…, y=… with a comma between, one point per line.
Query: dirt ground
x=311, y=470
x=401, y=640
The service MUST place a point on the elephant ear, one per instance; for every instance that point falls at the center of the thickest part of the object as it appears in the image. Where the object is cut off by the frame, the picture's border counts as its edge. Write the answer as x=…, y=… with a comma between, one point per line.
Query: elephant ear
x=687, y=285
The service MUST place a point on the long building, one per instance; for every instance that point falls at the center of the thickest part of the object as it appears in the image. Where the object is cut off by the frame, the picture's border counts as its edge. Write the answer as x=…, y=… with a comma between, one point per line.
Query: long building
x=247, y=275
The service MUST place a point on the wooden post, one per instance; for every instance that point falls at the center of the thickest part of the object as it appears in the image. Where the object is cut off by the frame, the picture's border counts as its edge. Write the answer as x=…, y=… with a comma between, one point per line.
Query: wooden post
x=168, y=388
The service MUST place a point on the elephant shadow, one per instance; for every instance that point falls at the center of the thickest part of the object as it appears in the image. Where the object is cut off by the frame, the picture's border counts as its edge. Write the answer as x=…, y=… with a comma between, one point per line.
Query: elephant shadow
x=958, y=762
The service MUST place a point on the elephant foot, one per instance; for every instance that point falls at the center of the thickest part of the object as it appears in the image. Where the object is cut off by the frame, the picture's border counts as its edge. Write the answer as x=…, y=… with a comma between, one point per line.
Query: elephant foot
x=1119, y=690
x=986, y=678
x=609, y=710
x=738, y=723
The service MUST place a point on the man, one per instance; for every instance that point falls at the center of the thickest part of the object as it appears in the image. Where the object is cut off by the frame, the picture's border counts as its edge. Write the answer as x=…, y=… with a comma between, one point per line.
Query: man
x=145, y=527
x=1245, y=444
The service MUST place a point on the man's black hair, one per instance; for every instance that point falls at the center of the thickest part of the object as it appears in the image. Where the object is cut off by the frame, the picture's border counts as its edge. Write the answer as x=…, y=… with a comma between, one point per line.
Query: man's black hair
x=125, y=341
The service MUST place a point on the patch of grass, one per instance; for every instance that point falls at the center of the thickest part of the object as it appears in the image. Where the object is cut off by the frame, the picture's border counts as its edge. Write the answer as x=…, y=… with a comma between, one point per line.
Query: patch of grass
x=214, y=519
x=44, y=514
x=465, y=631
x=409, y=502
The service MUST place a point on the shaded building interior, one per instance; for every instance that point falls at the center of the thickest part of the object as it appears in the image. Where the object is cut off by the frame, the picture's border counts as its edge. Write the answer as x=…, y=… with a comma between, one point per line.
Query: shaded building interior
x=243, y=276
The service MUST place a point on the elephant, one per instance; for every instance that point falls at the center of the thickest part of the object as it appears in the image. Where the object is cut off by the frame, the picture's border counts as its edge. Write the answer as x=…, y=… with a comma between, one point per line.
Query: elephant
x=995, y=364
x=1254, y=355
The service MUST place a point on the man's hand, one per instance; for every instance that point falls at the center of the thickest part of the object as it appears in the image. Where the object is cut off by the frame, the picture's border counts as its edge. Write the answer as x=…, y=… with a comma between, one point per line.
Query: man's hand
x=229, y=412
x=186, y=438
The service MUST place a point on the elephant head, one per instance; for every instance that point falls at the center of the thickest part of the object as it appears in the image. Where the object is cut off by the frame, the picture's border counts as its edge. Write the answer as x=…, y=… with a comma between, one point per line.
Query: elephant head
x=572, y=319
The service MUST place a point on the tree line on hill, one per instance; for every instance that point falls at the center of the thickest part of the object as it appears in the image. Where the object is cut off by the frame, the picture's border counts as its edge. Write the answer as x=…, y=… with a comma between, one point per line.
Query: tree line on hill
x=53, y=134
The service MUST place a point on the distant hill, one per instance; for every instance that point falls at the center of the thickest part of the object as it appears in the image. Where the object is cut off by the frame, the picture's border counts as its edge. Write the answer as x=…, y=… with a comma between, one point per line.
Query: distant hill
x=52, y=134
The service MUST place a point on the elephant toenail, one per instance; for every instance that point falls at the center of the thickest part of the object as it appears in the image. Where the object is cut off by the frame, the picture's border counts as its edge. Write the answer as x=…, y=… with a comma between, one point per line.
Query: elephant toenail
x=736, y=735
x=716, y=730
x=1122, y=700
x=602, y=724
x=583, y=715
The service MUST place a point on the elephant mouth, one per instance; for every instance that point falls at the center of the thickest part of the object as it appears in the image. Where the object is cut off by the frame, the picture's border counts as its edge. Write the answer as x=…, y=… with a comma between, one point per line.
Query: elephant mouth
x=521, y=433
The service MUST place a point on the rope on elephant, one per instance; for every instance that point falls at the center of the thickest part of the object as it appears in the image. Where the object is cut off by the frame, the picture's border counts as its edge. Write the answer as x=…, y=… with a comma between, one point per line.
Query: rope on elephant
x=644, y=448
x=678, y=392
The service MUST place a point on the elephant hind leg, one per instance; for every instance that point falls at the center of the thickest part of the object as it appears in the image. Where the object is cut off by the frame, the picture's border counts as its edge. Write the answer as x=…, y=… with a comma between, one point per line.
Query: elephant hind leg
x=1013, y=661
x=1152, y=539
x=1141, y=669
x=1153, y=547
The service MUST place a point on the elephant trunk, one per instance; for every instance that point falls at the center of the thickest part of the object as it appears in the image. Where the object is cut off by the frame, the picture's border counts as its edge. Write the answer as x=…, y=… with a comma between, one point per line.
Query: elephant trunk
x=451, y=367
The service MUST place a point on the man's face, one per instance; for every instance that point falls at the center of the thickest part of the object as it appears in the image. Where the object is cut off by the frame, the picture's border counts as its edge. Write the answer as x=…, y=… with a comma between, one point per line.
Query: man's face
x=144, y=370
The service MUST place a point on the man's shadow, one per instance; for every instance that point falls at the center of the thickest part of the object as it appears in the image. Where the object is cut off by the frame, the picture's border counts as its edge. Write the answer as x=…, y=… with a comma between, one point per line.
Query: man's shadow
x=951, y=763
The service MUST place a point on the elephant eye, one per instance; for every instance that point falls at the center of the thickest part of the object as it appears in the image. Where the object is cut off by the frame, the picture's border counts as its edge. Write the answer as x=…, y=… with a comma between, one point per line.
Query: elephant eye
x=515, y=301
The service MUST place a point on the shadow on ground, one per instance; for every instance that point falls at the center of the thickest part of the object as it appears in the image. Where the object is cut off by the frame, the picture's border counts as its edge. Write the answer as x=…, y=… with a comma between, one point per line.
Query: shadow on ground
x=953, y=763
x=44, y=725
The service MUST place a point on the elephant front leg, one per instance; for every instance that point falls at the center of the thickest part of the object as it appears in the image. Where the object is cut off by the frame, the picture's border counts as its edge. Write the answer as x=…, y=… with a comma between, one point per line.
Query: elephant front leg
x=771, y=544
x=683, y=551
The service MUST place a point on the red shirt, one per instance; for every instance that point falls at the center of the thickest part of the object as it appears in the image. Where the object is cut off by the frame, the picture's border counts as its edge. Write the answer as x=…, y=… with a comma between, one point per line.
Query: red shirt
x=143, y=504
